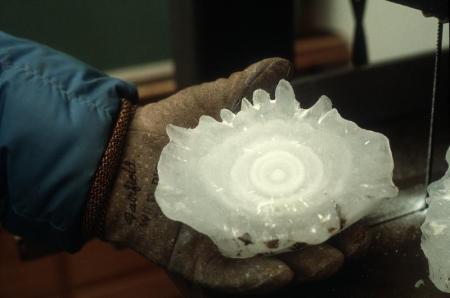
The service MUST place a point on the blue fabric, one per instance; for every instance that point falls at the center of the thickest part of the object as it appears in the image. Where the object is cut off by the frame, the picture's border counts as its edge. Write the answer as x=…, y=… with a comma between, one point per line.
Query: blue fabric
x=56, y=115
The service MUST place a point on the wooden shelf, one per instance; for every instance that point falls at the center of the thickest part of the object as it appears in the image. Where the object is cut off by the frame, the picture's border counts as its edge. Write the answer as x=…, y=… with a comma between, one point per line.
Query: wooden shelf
x=98, y=270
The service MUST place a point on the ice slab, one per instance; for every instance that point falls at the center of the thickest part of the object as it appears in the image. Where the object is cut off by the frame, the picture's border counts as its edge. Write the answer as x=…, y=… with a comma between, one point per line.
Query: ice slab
x=273, y=176
x=436, y=231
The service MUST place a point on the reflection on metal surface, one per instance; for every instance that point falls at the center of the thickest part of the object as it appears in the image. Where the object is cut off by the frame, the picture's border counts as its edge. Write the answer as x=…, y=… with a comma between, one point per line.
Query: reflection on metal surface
x=408, y=201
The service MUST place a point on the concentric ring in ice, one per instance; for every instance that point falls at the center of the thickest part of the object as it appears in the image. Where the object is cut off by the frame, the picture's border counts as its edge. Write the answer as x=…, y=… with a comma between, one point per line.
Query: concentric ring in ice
x=273, y=175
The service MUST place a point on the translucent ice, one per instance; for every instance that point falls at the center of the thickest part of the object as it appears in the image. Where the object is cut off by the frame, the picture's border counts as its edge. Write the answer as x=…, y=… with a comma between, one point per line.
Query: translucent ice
x=436, y=231
x=273, y=176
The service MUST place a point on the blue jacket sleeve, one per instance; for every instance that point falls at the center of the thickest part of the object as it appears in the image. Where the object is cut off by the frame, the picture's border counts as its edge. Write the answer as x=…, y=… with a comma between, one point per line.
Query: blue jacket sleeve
x=56, y=115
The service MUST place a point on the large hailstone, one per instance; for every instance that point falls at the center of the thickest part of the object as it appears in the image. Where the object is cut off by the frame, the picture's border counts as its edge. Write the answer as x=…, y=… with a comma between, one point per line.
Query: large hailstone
x=436, y=231
x=273, y=176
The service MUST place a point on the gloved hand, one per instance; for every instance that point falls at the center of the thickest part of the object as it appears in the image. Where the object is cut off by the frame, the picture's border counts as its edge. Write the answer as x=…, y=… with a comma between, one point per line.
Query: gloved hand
x=134, y=219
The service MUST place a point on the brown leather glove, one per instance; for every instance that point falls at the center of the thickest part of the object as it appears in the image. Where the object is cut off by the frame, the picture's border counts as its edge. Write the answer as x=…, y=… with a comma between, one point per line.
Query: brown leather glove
x=134, y=219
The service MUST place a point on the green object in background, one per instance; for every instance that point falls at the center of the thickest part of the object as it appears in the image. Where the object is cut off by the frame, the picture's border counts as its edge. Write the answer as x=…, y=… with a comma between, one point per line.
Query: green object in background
x=105, y=34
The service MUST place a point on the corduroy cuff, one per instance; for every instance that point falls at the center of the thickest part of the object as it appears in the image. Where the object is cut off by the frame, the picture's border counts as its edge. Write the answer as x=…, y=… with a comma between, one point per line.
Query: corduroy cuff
x=93, y=222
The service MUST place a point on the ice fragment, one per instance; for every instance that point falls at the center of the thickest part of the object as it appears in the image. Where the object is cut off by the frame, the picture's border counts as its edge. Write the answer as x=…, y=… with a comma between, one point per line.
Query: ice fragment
x=436, y=231
x=419, y=283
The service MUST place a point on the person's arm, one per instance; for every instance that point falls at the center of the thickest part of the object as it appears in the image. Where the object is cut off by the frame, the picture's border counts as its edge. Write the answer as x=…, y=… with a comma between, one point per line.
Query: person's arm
x=56, y=117
x=64, y=178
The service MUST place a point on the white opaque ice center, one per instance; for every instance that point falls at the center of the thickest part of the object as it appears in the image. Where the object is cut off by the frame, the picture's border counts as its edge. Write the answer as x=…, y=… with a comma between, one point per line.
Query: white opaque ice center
x=273, y=175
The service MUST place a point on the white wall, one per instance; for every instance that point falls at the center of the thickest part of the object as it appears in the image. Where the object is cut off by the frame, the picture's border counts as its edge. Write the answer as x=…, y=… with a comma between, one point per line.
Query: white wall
x=392, y=30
